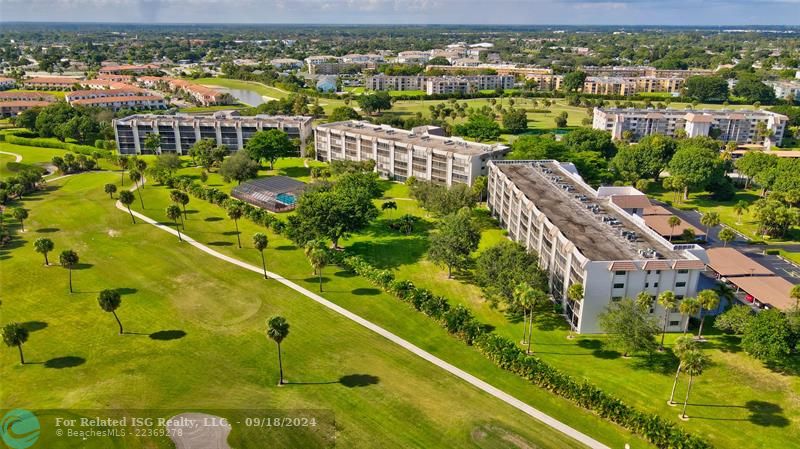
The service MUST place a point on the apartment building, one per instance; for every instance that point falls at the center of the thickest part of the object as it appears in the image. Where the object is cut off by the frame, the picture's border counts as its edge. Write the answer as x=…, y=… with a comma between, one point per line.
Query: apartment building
x=413, y=57
x=445, y=85
x=116, y=99
x=7, y=83
x=180, y=132
x=129, y=69
x=386, y=82
x=12, y=103
x=286, y=63
x=740, y=126
x=643, y=71
x=786, y=89
x=424, y=152
x=521, y=71
x=51, y=82
x=609, y=85
x=583, y=237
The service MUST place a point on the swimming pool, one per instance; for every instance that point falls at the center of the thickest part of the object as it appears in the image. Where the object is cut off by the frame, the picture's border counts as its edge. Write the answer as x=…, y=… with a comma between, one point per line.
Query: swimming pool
x=286, y=198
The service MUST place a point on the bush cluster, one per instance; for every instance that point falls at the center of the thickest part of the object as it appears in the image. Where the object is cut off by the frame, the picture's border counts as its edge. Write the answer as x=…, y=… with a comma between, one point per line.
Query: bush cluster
x=50, y=143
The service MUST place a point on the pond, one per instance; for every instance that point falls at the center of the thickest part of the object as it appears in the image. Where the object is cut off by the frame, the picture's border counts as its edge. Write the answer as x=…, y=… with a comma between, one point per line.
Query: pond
x=248, y=97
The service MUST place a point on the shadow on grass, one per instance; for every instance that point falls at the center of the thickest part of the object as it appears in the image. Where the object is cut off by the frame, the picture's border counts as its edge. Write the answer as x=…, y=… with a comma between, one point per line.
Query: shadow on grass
x=64, y=362
x=230, y=233
x=606, y=354
x=47, y=230
x=391, y=252
x=82, y=266
x=285, y=248
x=168, y=335
x=366, y=291
x=294, y=172
x=344, y=274
x=590, y=343
x=550, y=321
x=315, y=279
x=349, y=381
x=657, y=362
x=213, y=219
x=33, y=326
x=220, y=243
x=725, y=343
x=766, y=414
x=126, y=291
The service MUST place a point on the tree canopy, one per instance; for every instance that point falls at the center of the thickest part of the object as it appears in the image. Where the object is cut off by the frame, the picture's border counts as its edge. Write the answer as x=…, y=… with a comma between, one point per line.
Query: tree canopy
x=269, y=145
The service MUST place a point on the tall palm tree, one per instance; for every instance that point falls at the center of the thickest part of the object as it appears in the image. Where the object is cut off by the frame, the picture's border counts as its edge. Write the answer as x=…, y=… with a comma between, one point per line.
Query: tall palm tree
x=668, y=301
x=644, y=301
x=537, y=297
x=110, y=189
x=709, y=300
x=44, y=245
x=235, y=213
x=109, y=301
x=682, y=346
x=260, y=242
x=709, y=220
x=739, y=208
x=174, y=214
x=69, y=259
x=726, y=235
x=136, y=176
x=694, y=362
x=673, y=222
x=175, y=197
x=318, y=257
x=122, y=163
x=20, y=214
x=278, y=330
x=689, y=307
x=15, y=335
x=523, y=297
x=126, y=198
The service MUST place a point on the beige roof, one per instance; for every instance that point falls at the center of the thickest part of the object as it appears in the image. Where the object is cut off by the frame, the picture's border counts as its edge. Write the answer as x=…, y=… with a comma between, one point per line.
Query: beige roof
x=660, y=224
x=730, y=262
x=631, y=201
x=772, y=290
x=656, y=210
x=623, y=266
x=699, y=118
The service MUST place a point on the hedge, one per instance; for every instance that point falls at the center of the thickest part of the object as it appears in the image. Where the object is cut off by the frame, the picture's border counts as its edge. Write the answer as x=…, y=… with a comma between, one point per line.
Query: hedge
x=503, y=352
x=49, y=143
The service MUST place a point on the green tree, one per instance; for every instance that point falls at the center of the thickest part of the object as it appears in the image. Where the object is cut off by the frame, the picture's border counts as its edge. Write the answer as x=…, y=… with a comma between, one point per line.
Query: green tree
x=277, y=331
x=673, y=221
x=734, y=320
x=753, y=90
x=515, y=121
x=457, y=237
x=591, y=140
x=136, y=176
x=174, y=213
x=479, y=126
x=682, y=346
x=260, y=242
x=375, y=103
x=668, y=301
x=739, y=208
x=318, y=255
x=20, y=214
x=646, y=159
x=709, y=220
x=706, y=88
x=709, y=300
x=109, y=301
x=388, y=205
x=43, y=245
x=768, y=337
x=480, y=186
x=152, y=142
x=689, y=307
x=726, y=235
x=630, y=326
x=696, y=163
x=239, y=167
x=126, y=197
x=573, y=81
x=15, y=335
x=110, y=189
x=528, y=299
x=501, y=267
x=342, y=114
x=270, y=146
x=755, y=163
x=235, y=212
x=201, y=152
x=694, y=362
x=794, y=293
x=69, y=260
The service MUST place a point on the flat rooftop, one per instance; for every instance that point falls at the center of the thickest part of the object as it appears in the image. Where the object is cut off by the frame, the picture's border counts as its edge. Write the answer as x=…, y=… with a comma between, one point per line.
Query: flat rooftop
x=422, y=139
x=161, y=118
x=594, y=238
x=732, y=113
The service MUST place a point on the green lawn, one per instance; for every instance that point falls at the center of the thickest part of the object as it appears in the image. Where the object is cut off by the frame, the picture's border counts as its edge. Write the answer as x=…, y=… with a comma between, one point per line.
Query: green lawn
x=59, y=94
x=262, y=89
x=196, y=338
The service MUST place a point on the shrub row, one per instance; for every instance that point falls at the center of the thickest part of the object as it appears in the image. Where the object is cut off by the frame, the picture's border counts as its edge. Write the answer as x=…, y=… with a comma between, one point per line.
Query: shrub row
x=49, y=143
x=460, y=322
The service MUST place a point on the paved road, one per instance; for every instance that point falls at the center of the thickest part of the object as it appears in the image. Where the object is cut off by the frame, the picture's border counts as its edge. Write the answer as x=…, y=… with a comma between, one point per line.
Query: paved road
x=478, y=383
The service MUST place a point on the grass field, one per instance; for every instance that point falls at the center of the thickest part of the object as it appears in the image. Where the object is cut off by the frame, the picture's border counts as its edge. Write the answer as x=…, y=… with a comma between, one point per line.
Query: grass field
x=195, y=337
x=59, y=94
x=260, y=88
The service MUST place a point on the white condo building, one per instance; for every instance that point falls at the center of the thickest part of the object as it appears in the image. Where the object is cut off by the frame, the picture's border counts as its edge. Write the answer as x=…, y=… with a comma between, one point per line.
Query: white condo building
x=594, y=238
x=423, y=152
x=180, y=132
x=740, y=126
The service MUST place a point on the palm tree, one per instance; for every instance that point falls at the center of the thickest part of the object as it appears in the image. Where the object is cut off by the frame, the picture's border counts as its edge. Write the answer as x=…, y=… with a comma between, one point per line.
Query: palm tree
x=673, y=222
x=122, y=163
x=235, y=213
x=575, y=294
x=174, y=214
x=389, y=205
x=644, y=301
x=109, y=301
x=126, y=197
x=668, y=301
x=536, y=297
x=795, y=294
x=44, y=245
x=694, y=362
x=709, y=300
x=183, y=200
x=523, y=297
x=682, y=346
x=20, y=214
x=709, y=220
x=140, y=164
x=68, y=259
x=15, y=335
x=739, y=208
x=688, y=308
x=136, y=176
x=317, y=254
x=110, y=189
x=278, y=330
x=260, y=242
x=175, y=196
x=726, y=235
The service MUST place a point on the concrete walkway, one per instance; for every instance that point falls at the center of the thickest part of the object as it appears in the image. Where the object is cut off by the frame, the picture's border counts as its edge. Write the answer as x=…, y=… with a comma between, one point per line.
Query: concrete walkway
x=478, y=383
x=17, y=157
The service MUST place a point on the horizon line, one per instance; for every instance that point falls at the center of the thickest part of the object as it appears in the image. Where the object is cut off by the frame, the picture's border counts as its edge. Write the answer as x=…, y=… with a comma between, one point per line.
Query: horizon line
x=797, y=26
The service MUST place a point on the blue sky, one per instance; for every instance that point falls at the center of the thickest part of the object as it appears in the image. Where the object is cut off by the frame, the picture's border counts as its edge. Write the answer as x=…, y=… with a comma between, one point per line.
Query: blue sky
x=530, y=12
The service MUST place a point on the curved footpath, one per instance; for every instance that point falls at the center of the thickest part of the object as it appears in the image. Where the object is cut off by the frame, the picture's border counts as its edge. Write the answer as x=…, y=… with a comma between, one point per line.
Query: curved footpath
x=17, y=157
x=478, y=383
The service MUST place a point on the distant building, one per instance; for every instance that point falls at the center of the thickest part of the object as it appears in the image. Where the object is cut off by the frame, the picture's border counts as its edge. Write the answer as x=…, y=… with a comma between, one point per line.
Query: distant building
x=12, y=103
x=180, y=132
x=786, y=89
x=644, y=71
x=116, y=99
x=413, y=57
x=130, y=69
x=7, y=83
x=286, y=63
x=400, y=83
x=738, y=126
x=443, y=85
x=399, y=154
x=582, y=236
x=51, y=82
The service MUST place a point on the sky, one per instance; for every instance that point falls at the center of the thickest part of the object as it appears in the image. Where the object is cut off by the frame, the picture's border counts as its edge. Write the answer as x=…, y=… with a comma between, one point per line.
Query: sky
x=489, y=12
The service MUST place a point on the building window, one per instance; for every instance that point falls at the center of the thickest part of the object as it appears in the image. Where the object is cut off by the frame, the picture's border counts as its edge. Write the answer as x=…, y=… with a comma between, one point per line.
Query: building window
x=680, y=284
x=619, y=285
x=655, y=284
x=674, y=323
x=616, y=298
x=679, y=297
x=619, y=273
x=683, y=271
